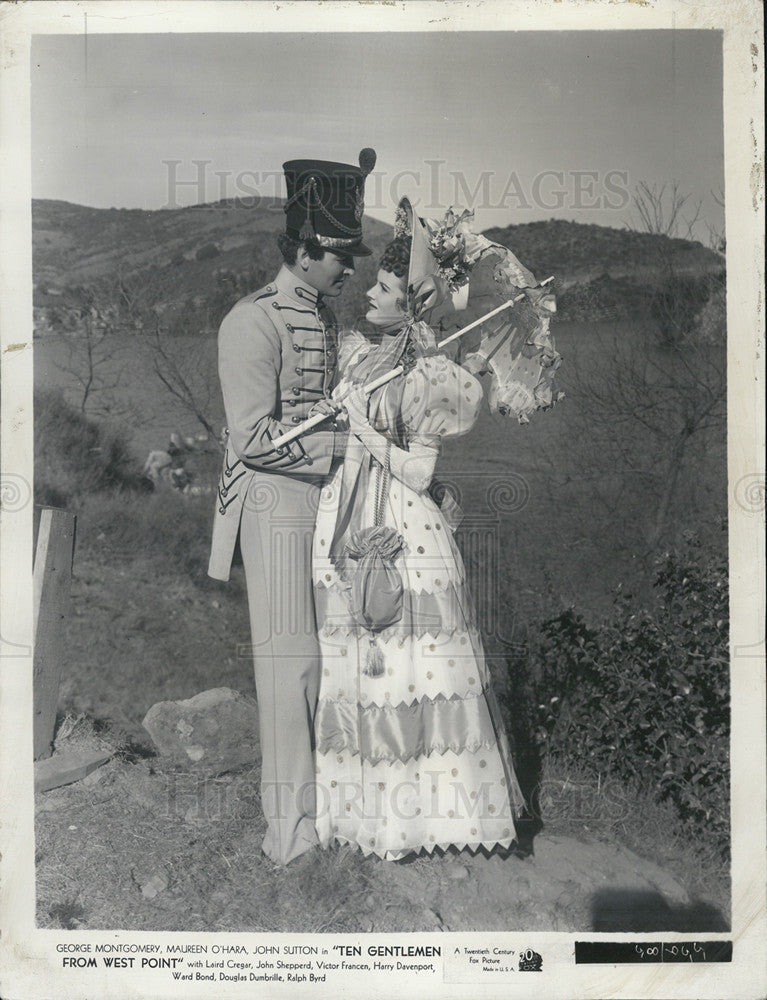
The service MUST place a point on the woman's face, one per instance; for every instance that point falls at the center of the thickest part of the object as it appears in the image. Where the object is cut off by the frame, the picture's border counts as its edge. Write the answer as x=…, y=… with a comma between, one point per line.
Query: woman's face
x=386, y=298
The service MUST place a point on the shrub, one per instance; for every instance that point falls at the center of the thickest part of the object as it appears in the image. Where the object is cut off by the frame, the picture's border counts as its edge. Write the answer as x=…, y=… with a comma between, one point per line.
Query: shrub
x=645, y=697
x=75, y=455
x=207, y=252
x=87, y=466
x=169, y=529
x=675, y=306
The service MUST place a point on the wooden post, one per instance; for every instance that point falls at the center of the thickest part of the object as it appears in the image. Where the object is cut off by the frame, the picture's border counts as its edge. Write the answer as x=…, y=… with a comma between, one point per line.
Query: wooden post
x=52, y=580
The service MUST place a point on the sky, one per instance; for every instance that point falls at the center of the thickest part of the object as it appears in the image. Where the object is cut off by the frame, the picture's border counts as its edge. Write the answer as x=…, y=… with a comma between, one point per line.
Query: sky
x=518, y=126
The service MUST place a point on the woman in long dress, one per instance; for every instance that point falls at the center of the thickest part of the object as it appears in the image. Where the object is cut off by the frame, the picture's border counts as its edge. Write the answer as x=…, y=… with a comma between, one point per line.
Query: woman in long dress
x=410, y=751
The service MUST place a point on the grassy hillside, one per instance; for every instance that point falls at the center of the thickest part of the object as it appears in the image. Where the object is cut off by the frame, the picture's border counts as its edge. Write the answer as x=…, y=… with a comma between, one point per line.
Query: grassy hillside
x=578, y=252
x=76, y=244
x=179, y=257
x=559, y=514
x=212, y=254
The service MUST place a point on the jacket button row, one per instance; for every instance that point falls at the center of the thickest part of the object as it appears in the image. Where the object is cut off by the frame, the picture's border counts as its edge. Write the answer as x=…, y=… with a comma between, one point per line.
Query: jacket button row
x=296, y=390
x=296, y=348
x=297, y=420
x=290, y=327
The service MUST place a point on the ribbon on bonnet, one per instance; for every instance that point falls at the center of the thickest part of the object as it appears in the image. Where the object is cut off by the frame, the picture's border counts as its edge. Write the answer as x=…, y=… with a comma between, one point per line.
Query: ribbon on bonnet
x=365, y=555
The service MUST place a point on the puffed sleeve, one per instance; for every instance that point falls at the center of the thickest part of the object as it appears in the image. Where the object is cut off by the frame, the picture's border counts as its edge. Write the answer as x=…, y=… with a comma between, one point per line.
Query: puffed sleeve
x=440, y=400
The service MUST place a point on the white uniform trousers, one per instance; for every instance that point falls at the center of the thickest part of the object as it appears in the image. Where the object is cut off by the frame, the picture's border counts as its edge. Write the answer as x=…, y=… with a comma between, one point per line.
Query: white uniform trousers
x=276, y=531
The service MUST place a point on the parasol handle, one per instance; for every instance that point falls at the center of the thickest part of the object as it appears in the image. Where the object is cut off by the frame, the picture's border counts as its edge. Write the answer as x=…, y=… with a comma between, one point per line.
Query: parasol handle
x=302, y=428
x=487, y=316
x=318, y=418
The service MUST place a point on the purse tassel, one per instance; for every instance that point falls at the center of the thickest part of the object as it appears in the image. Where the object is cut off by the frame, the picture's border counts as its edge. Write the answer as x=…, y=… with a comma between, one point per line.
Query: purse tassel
x=374, y=665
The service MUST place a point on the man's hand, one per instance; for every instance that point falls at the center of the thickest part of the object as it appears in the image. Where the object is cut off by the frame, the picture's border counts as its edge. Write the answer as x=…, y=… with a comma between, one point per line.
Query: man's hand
x=327, y=407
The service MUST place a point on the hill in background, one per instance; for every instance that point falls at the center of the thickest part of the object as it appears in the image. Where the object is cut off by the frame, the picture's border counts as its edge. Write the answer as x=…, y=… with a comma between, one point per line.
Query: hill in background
x=182, y=258
x=212, y=254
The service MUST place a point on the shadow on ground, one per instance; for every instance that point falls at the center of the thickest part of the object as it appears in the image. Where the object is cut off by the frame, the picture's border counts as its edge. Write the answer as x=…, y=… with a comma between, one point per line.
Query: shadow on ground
x=640, y=910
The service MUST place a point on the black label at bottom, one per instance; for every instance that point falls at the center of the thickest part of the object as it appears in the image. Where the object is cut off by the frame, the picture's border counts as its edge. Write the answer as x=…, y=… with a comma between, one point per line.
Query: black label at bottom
x=610, y=952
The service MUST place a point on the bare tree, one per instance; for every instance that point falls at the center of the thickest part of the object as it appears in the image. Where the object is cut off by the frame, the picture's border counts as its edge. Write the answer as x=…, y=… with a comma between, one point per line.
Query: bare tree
x=95, y=352
x=182, y=349
x=665, y=210
x=670, y=215
x=123, y=319
x=648, y=421
x=186, y=368
x=716, y=234
x=652, y=397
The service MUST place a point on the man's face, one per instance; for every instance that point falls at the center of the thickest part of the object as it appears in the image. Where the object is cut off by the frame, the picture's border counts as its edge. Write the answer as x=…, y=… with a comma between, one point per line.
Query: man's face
x=328, y=274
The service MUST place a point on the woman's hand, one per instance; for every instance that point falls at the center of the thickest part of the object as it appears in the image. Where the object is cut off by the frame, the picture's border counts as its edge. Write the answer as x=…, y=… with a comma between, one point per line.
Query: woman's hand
x=475, y=363
x=356, y=406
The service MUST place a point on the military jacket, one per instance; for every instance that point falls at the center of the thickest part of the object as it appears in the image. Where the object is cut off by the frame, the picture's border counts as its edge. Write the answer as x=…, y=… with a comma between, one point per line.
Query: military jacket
x=277, y=352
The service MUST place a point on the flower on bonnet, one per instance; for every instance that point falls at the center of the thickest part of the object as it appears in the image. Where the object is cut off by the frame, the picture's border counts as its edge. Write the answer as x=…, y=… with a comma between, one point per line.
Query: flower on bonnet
x=458, y=249
x=455, y=246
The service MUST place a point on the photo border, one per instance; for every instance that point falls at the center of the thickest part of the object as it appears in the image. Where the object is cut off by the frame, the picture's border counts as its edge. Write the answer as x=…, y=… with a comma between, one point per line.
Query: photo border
x=28, y=959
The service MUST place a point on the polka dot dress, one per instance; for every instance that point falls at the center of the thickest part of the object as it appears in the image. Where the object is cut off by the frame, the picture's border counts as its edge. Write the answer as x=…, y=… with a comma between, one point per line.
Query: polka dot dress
x=414, y=757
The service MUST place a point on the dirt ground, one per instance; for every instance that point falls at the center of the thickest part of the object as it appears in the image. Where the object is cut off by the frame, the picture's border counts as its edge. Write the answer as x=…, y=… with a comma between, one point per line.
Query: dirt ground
x=137, y=845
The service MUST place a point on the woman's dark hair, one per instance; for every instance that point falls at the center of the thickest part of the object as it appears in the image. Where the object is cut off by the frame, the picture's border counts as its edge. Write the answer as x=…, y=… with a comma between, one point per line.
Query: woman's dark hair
x=396, y=257
x=289, y=248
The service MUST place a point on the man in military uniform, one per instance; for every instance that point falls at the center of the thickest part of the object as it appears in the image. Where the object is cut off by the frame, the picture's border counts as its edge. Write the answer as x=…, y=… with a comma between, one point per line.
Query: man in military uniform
x=277, y=363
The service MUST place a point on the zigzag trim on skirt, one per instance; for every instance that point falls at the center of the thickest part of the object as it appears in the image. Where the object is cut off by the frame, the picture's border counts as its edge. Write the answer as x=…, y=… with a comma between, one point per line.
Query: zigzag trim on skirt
x=460, y=845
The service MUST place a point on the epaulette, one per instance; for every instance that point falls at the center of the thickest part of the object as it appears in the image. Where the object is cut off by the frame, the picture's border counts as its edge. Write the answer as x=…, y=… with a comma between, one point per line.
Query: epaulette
x=263, y=293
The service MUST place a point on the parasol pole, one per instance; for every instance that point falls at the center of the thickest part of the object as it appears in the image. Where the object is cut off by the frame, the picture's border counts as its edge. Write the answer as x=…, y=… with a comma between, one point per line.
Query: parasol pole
x=318, y=418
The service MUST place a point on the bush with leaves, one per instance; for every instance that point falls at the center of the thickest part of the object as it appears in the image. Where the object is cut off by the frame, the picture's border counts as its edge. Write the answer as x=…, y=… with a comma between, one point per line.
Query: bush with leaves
x=207, y=252
x=76, y=455
x=645, y=697
x=676, y=305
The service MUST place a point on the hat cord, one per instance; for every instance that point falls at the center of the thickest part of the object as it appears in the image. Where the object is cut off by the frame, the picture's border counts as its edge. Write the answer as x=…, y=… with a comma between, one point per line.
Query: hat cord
x=335, y=222
x=313, y=201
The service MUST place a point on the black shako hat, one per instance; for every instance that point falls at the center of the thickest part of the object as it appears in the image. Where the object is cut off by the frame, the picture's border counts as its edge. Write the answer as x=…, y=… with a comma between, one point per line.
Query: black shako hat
x=326, y=201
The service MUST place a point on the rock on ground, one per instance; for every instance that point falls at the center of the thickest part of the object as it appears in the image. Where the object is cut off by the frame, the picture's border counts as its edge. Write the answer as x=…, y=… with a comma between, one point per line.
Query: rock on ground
x=212, y=732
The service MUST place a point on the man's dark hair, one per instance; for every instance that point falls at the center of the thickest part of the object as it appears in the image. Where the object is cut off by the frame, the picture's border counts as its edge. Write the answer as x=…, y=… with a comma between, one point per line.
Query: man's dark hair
x=289, y=248
x=396, y=257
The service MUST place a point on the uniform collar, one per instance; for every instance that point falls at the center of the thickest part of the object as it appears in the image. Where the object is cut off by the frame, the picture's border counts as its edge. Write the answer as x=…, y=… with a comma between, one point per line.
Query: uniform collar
x=292, y=286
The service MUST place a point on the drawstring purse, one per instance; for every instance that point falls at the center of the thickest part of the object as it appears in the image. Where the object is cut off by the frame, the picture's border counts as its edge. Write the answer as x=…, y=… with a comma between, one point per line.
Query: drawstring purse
x=376, y=584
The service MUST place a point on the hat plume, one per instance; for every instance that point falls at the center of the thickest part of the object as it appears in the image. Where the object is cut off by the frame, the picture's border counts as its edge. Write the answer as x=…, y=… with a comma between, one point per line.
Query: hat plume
x=367, y=160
